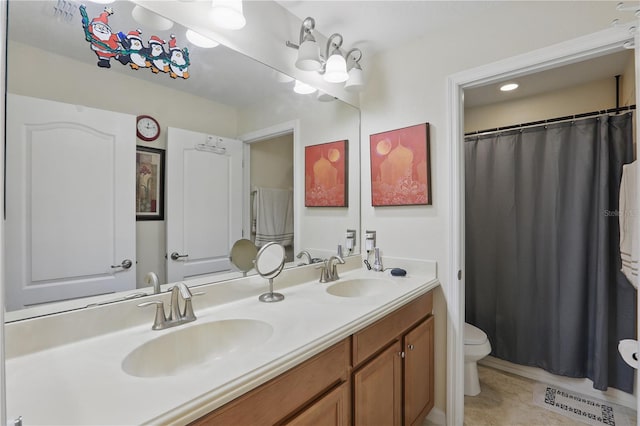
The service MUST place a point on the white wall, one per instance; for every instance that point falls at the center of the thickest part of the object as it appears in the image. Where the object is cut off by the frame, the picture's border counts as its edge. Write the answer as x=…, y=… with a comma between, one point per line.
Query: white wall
x=407, y=85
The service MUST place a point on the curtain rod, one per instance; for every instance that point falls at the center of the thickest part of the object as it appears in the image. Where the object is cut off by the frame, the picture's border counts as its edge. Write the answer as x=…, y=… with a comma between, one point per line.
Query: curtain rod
x=553, y=120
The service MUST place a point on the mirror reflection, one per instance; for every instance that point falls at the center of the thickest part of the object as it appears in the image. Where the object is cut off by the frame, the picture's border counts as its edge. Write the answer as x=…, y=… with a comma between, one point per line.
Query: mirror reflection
x=75, y=164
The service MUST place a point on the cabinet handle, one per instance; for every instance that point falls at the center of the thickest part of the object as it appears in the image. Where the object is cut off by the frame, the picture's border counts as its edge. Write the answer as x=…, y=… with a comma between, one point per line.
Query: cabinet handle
x=402, y=354
x=410, y=347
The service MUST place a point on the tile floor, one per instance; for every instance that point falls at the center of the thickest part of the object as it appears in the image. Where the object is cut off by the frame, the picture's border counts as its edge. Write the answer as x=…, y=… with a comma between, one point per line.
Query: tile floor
x=507, y=399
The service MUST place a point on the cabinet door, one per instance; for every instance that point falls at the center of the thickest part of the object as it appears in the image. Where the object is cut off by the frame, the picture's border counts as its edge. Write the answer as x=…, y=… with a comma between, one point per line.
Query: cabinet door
x=378, y=389
x=331, y=410
x=418, y=373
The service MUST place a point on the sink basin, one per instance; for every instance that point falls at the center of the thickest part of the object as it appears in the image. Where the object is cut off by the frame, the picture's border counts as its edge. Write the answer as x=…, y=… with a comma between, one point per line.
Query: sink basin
x=359, y=287
x=185, y=348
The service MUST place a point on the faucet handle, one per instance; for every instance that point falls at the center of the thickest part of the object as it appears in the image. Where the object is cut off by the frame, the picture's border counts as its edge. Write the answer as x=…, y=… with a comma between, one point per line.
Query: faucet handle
x=187, y=314
x=324, y=271
x=160, y=320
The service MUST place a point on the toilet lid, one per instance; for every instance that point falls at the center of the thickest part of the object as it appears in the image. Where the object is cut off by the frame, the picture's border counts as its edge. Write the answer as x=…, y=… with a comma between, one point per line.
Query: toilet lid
x=473, y=335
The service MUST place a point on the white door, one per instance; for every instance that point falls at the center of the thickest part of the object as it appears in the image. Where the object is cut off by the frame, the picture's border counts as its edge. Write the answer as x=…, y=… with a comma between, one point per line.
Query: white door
x=70, y=210
x=204, y=202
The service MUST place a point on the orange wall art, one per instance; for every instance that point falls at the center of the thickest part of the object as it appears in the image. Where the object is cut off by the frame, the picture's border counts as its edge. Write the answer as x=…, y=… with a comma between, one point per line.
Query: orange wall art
x=400, y=169
x=326, y=175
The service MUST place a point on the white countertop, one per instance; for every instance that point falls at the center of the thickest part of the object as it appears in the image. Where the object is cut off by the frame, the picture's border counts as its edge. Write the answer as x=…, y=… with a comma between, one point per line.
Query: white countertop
x=82, y=380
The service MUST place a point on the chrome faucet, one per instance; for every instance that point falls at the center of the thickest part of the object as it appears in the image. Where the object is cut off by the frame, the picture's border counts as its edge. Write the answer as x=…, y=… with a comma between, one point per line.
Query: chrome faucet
x=152, y=278
x=332, y=267
x=307, y=254
x=176, y=316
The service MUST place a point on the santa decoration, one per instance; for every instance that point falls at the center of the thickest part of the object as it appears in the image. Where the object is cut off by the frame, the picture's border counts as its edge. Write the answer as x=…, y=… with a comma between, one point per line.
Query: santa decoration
x=104, y=43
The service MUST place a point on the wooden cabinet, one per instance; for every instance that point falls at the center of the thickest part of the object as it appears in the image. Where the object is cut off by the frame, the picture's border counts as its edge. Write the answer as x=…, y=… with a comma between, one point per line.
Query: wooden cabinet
x=381, y=375
x=394, y=386
x=288, y=393
x=418, y=373
x=377, y=390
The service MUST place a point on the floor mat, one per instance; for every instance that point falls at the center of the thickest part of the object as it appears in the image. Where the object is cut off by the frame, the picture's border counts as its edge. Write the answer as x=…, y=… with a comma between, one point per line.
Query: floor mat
x=580, y=407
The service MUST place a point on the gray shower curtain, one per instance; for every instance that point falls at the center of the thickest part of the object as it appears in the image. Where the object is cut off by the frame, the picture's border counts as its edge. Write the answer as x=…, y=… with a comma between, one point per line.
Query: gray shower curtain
x=543, y=273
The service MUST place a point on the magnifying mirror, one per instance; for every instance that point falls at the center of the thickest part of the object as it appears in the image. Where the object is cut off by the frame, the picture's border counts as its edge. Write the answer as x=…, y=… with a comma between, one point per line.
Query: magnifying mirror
x=243, y=255
x=269, y=263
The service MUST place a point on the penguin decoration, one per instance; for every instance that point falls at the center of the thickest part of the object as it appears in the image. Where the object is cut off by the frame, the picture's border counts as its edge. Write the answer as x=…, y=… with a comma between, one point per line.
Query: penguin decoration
x=179, y=60
x=157, y=58
x=135, y=50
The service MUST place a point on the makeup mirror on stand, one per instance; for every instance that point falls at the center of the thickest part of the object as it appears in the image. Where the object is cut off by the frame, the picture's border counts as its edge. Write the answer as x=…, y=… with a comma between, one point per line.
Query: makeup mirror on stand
x=243, y=255
x=269, y=264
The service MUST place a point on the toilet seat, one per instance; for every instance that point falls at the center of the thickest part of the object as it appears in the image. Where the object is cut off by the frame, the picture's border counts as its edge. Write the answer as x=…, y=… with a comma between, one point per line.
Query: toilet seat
x=473, y=335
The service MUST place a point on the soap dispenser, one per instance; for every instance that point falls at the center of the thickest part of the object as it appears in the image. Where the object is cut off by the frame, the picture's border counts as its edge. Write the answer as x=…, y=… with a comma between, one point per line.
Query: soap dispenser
x=377, y=262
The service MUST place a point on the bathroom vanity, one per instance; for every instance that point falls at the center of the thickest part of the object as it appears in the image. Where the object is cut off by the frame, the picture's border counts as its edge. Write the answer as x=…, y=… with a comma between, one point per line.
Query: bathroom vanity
x=366, y=338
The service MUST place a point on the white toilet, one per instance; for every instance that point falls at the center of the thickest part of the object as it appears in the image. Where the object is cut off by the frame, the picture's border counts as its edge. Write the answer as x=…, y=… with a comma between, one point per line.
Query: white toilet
x=476, y=347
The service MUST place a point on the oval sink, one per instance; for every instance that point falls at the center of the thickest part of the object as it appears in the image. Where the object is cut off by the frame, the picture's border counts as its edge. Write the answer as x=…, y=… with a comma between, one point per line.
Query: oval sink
x=185, y=348
x=359, y=287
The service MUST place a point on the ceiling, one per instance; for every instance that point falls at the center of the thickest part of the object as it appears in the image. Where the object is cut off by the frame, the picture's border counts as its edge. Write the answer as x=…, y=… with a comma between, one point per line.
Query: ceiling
x=375, y=26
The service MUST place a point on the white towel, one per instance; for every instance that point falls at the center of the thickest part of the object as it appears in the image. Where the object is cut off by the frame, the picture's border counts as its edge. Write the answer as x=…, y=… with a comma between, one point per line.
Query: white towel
x=629, y=222
x=274, y=216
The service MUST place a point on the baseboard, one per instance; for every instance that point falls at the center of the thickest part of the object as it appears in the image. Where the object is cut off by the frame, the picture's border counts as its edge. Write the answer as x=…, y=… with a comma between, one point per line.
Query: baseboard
x=584, y=386
x=436, y=417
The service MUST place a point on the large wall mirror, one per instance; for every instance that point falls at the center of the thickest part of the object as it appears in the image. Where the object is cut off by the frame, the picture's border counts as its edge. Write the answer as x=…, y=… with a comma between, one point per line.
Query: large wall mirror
x=74, y=163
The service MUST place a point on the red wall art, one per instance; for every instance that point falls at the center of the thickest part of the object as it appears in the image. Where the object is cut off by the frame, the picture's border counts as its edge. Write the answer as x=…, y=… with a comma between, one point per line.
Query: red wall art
x=326, y=175
x=400, y=167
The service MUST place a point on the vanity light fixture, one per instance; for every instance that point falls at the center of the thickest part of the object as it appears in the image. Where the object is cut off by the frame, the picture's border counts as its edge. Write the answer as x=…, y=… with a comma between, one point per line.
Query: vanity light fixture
x=308, y=50
x=147, y=18
x=228, y=14
x=356, y=79
x=303, y=88
x=199, y=40
x=335, y=69
x=508, y=87
x=334, y=65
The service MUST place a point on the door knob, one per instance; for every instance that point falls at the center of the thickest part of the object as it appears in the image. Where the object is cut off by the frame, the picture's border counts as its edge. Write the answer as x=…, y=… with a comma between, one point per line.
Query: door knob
x=175, y=255
x=126, y=264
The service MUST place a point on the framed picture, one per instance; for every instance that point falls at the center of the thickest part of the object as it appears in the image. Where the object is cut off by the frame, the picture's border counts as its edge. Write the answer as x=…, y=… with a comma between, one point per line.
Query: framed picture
x=149, y=183
x=400, y=167
x=326, y=175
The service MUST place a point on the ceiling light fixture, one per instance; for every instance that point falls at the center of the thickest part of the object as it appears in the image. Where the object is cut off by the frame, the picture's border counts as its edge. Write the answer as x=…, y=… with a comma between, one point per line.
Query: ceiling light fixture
x=199, y=40
x=228, y=14
x=147, y=18
x=334, y=65
x=509, y=87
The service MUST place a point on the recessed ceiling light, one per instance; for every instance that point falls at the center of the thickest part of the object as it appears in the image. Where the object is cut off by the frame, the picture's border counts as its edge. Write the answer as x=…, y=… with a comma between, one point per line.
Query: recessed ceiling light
x=509, y=87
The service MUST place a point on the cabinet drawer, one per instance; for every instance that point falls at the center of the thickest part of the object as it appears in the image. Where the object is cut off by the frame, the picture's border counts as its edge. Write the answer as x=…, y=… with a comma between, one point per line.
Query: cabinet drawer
x=287, y=393
x=373, y=338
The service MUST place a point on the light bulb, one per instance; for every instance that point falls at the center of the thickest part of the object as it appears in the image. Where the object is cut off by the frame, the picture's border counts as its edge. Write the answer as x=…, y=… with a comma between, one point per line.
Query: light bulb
x=355, y=81
x=336, y=69
x=308, y=56
x=303, y=88
x=200, y=40
x=150, y=19
x=228, y=14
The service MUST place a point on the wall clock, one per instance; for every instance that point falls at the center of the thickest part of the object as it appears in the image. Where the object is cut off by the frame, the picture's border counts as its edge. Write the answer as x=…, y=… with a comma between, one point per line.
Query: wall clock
x=147, y=128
